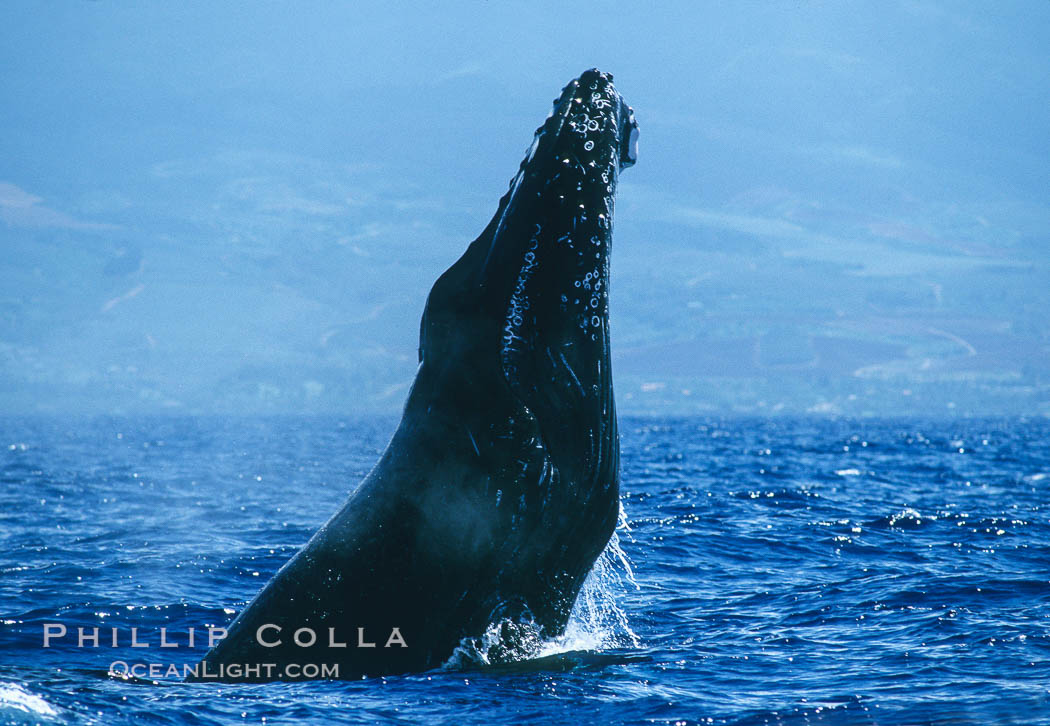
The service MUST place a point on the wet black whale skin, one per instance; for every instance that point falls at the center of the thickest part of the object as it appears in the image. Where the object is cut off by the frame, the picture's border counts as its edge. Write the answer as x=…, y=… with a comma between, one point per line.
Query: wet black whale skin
x=500, y=487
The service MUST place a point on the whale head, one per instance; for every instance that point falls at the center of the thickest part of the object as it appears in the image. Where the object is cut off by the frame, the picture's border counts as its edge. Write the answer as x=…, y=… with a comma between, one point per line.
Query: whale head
x=514, y=346
x=535, y=282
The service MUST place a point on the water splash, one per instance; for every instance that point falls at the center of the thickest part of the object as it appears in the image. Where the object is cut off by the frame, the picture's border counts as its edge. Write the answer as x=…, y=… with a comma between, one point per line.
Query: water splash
x=15, y=699
x=597, y=622
x=506, y=641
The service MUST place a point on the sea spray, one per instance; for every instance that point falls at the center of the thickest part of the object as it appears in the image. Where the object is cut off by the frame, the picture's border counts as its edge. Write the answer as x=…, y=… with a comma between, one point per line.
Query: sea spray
x=597, y=622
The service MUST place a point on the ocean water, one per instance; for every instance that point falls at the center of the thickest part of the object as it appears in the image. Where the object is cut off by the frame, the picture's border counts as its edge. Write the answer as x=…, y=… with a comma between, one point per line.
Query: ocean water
x=787, y=571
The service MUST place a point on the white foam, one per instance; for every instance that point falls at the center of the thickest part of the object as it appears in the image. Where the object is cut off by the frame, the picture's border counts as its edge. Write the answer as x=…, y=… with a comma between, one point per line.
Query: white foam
x=13, y=696
x=597, y=622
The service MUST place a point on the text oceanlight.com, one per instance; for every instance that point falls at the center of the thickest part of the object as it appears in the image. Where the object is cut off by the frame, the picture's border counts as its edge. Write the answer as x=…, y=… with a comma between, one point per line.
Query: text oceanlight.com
x=224, y=671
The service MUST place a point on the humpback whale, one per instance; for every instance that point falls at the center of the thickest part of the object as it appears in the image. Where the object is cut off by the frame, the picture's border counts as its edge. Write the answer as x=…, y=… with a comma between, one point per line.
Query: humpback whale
x=500, y=486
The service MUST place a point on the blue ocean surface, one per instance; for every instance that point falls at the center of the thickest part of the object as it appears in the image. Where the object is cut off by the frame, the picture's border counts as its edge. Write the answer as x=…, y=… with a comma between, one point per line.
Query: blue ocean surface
x=780, y=571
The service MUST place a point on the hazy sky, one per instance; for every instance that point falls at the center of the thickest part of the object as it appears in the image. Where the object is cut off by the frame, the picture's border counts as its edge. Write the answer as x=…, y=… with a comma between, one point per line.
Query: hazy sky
x=838, y=207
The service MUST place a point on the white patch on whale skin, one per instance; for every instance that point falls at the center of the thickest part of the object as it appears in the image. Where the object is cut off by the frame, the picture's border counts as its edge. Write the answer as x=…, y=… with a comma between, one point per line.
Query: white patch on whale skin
x=519, y=304
x=532, y=149
x=632, y=145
